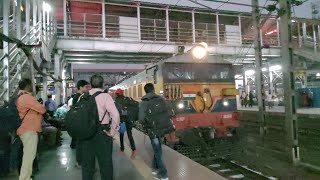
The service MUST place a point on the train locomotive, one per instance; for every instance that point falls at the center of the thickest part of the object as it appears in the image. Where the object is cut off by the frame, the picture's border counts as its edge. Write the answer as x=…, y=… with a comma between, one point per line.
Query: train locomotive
x=202, y=94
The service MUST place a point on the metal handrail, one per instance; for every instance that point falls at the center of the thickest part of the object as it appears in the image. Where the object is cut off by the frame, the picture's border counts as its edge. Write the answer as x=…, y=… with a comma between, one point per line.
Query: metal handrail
x=3, y=93
x=4, y=80
x=15, y=76
x=14, y=67
x=3, y=68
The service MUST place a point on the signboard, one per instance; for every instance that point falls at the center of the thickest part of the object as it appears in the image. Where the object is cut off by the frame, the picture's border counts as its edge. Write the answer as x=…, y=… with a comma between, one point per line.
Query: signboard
x=71, y=85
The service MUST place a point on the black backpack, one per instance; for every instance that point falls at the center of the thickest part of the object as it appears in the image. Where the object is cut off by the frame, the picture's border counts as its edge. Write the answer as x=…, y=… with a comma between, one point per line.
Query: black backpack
x=82, y=120
x=9, y=116
x=128, y=109
x=158, y=121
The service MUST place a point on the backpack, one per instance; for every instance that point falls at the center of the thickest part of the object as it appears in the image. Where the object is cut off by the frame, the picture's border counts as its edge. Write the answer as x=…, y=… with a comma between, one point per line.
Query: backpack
x=158, y=121
x=9, y=116
x=128, y=109
x=82, y=120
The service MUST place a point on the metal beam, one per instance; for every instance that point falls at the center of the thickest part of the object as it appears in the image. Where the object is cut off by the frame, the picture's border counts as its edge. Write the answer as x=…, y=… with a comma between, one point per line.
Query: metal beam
x=6, y=83
x=103, y=19
x=18, y=19
x=57, y=73
x=108, y=61
x=291, y=124
x=154, y=47
x=27, y=16
x=106, y=56
x=65, y=18
x=167, y=24
x=34, y=12
x=258, y=63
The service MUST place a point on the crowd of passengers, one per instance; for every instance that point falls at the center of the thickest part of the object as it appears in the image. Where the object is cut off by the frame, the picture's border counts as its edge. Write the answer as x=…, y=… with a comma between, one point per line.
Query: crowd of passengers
x=42, y=123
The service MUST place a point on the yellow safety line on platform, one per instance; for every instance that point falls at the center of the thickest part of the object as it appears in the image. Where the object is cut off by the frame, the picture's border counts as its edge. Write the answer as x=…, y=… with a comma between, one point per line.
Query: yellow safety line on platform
x=138, y=162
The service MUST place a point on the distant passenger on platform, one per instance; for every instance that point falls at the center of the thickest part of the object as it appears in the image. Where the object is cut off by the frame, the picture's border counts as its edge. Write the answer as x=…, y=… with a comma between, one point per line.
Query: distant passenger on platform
x=251, y=96
x=242, y=98
x=126, y=118
x=51, y=105
x=31, y=111
x=154, y=115
x=100, y=146
x=83, y=87
x=270, y=98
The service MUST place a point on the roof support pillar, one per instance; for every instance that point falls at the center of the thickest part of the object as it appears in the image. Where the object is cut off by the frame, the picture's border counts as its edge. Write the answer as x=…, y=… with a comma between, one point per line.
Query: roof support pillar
x=103, y=19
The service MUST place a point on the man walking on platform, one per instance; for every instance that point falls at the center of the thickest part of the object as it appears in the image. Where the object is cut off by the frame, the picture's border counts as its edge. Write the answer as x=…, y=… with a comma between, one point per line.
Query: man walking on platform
x=126, y=117
x=154, y=115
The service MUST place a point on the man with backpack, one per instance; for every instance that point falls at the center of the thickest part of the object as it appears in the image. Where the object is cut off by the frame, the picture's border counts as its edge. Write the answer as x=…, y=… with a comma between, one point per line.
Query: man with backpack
x=154, y=115
x=30, y=111
x=94, y=120
x=83, y=87
x=128, y=109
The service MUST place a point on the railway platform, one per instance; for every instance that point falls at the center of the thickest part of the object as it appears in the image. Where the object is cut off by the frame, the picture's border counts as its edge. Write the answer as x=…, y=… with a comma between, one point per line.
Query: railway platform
x=59, y=163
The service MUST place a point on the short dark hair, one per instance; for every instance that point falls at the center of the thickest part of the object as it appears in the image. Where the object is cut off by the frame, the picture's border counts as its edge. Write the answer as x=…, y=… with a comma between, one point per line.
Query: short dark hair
x=81, y=83
x=96, y=81
x=148, y=88
x=24, y=83
x=49, y=96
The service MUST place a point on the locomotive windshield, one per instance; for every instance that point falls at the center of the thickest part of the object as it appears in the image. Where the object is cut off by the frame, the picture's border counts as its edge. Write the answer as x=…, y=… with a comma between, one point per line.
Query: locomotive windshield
x=198, y=72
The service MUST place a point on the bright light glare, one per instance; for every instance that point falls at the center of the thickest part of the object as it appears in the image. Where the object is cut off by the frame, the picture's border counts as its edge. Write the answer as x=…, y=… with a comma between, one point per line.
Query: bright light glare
x=200, y=51
x=264, y=69
x=225, y=103
x=180, y=105
x=249, y=72
x=46, y=7
x=275, y=68
x=318, y=75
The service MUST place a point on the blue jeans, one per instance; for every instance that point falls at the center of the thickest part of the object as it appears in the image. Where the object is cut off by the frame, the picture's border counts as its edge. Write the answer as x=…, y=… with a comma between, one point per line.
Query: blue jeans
x=157, y=158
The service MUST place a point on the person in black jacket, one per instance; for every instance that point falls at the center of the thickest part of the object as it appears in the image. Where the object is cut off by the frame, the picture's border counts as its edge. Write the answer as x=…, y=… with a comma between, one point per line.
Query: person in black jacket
x=125, y=118
x=83, y=87
x=156, y=127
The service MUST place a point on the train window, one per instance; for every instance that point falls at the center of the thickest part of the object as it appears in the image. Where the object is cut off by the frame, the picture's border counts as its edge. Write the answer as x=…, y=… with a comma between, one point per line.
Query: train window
x=200, y=72
x=134, y=92
x=140, y=90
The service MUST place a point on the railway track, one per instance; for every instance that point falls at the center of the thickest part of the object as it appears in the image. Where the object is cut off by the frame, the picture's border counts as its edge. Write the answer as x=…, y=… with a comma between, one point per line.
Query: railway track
x=213, y=156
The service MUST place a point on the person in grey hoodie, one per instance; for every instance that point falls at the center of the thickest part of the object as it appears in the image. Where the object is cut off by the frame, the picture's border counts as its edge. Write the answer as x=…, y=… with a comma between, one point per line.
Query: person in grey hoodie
x=159, y=168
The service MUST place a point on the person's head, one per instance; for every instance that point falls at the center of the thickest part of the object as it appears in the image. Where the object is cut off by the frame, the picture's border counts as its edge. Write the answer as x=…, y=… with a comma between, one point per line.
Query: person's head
x=49, y=96
x=96, y=81
x=149, y=88
x=83, y=86
x=119, y=92
x=26, y=85
x=199, y=93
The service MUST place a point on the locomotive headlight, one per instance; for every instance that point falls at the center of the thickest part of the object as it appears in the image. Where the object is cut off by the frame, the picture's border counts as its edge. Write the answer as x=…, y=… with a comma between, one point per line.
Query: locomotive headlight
x=181, y=105
x=225, y=103
x=200, y=51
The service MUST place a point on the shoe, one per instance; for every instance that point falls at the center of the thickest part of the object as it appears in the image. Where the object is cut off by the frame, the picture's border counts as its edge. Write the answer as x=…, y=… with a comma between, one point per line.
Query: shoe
x=158, y=177
x=133, y=154
x=154, y=172
x=78, y=165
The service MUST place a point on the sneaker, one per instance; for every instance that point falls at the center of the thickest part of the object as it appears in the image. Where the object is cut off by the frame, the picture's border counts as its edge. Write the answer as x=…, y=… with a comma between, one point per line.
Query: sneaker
x=133, y=154
x=158, y=177
x=154, y=172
